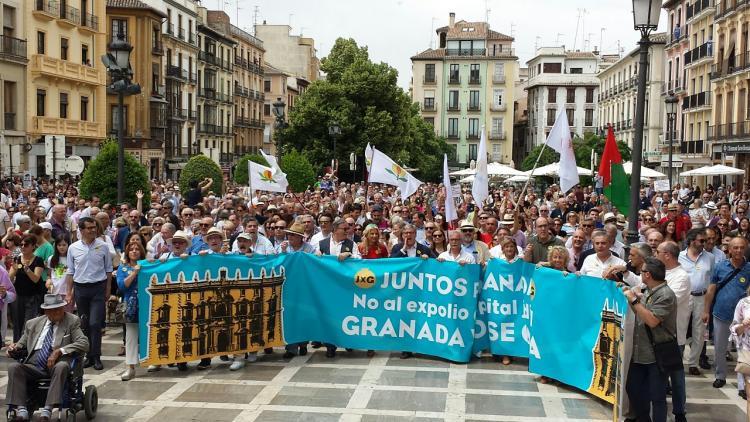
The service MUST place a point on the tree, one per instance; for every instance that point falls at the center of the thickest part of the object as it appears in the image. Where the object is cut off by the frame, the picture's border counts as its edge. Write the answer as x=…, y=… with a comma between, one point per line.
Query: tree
x=240, y=171
x=198, y=168
x=299, y=172
x=100, y=177
x=363, y=98
x=582, y=149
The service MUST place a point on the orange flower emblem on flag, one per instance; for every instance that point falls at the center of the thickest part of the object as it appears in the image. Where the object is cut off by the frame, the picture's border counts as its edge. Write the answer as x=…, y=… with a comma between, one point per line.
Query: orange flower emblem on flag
x=398, y=172
x=266, y=176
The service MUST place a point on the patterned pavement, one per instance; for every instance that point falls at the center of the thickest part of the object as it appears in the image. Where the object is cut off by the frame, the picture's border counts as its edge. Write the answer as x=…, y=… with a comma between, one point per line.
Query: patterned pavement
x=353, y=387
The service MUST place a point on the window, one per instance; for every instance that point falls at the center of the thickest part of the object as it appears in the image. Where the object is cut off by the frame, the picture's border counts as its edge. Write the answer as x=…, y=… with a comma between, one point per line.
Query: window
x=454, y=74
x=569, y=115
x=552, y=95
x=589, y=118
x=576, y=70
x=499, y=72
x=497, y=97
x=429, y=72
x=84, y=108
x=473, y=152
x=41, y=98
x=552, y=68
x=266, y=109
x=474, y=73
x=474, y=100
x=570, y=96
x=267, y=86
x=430, y=121
x=473, y=128
x=40, y=42
x=497, y=125
x=119, y=26
x=63, y=105
x=589, y=95
x=453, y=128
x=551, y=113
x=453, y=100
x=429, y=103
x=85, y=54
x=64, y=48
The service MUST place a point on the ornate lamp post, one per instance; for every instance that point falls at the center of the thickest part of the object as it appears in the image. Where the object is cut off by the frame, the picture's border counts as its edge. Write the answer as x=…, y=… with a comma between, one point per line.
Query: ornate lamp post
x=645, y=19
x=117, y=62
x=671, y=106
x=278, y=110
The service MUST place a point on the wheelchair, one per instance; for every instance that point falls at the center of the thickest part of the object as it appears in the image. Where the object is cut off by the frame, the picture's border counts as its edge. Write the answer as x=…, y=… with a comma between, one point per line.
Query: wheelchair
x=75, y=397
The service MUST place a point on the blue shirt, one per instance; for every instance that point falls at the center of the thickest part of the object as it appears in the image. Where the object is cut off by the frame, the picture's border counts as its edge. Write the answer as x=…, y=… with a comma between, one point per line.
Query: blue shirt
x=123, y=272
x=198, y=245
x=89, y=263
x=727, y=298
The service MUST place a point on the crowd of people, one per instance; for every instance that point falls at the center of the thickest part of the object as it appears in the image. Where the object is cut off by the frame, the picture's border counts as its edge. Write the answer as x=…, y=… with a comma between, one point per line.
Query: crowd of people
x=686, y=279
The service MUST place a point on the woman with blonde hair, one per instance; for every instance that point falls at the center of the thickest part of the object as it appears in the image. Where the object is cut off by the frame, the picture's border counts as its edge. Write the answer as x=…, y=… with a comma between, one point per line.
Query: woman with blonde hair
x=371, y=247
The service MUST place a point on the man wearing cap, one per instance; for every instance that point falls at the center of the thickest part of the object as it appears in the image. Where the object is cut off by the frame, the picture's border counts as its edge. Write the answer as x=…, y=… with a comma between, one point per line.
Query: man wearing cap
x=259, y=244
x=50, y=341
x=89, y=280
x=509, y=221
x=471, y=245
x=537, y=248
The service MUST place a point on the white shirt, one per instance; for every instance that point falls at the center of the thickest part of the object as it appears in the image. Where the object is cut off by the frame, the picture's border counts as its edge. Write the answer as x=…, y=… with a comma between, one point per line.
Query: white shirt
x=40, y=340
x=317, y=237
x=463, y=256
x=412, y=252
x=335, y=248
x=699, y=271
x=678, y=280
x=595, y=267
x=262, y=246
x=497, y=252
x=4, y=222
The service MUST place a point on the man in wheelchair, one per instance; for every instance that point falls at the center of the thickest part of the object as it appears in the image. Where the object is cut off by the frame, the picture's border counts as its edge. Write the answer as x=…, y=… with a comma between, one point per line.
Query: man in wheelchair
x=49, y=342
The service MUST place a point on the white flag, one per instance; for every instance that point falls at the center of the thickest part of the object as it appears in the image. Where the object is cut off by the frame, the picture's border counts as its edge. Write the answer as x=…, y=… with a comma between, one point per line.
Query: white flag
x=450, y=205
x=368, y=157
x=265, y=178
x=559, y=139
x=385, y=170
x=271, y=160
x=481, y=186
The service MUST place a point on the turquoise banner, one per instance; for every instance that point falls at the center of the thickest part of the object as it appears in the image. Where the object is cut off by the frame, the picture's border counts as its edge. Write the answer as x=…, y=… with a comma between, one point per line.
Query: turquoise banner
x=407, y=304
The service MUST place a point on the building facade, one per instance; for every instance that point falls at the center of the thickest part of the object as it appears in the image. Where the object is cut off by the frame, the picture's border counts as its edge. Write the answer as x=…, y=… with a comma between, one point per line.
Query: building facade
x=676, y=54
x=562, y=80
x=294, y=54
x=467, y=85
x=521, y=146
x=730, y=133
x=65, y=79
x=215, y=108
x=13, y=62
x=275, y=89
x=617, y=100
x=248, y=85
x=145, y=119
x=180, y=39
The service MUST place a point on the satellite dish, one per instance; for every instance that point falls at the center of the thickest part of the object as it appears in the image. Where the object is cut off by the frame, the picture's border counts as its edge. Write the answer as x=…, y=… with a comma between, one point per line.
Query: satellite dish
x=73, y=165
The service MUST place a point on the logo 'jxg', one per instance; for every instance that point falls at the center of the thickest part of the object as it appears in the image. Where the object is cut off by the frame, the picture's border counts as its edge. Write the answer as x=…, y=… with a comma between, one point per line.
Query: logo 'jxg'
x=364, y=278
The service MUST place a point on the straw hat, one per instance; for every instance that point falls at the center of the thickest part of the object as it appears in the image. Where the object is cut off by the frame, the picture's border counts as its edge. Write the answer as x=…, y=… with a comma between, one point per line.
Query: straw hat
x=296, y=228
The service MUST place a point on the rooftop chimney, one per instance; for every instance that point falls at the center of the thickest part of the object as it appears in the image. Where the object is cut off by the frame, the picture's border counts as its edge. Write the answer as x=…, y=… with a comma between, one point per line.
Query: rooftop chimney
x=451, y=19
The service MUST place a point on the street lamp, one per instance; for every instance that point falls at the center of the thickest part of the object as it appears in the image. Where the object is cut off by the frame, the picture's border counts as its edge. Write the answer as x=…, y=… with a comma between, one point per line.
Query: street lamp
x=671, y=106
x=645, y=19
x=278, y=110
x=335, y=131
x=117, y=62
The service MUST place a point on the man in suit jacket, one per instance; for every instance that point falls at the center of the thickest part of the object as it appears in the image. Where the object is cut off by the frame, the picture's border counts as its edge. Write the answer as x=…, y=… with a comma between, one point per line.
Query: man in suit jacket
x=409, y=249
x=50, y=340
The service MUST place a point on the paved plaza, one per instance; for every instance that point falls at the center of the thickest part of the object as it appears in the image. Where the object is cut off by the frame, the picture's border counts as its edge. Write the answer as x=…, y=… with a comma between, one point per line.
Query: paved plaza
x=353, y=387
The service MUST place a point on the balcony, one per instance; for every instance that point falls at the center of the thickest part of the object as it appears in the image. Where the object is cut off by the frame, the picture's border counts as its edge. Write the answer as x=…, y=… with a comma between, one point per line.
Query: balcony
x=465, y=51
x=158, y=91
x=474, y=107
x=735, y=64
x=240, y=91
x=454, y=80
x=695, y=101
x=157, y=47
x=170, y=29
x=498, y=107
x=212, y=129
x=454, y=135
x=498, y=79
x=192, y=38
x=46, y=9
x=61, y=69
x=729, y=131
x=692, y=147
x=213, y=60
x=70, y=15
x=177, y=114
x=476, y=80
x=428, y=106
x=698, y=53
x=12, y=48
x=176, y=73
x=672, y=138
x=454, y=107
x=158, y=114
x=726, y=7
x=10, y=121
x=181, y=33
x=192, y=78
x=212, y=94
x=678, y=33
x=497, y=135
x=245, y=36
x=429, y=80
x=673, y=87
x=247, y=122
x=192, y=115
x=472, y=135
x=89, y=22
x=697, y=9
x=67, y=127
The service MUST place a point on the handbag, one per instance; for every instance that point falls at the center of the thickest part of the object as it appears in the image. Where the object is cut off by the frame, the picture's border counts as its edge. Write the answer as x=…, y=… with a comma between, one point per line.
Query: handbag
x=131, y=308
x=743, y=362
x=667, y=353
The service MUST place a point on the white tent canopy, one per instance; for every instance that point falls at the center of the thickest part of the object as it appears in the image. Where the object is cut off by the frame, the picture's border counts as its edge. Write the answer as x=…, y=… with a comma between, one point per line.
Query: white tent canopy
x=717, y=170
x=554, y=170
x=493, y=169
x=646, y=173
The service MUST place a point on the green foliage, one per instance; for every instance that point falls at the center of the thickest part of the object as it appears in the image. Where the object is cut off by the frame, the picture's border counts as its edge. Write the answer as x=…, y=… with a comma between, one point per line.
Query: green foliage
x=240, y=171
x=100, y=177
x=299, y=172
x=363, y=98
x=582, y=148
x=198, y=168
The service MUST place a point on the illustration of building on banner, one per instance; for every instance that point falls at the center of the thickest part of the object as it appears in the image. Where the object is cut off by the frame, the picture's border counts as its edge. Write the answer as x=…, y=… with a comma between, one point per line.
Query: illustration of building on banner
x=208, y=316
x=605, y=353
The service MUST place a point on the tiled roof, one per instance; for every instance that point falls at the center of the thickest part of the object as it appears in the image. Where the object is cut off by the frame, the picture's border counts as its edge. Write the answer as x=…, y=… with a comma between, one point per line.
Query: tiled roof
x=430, y=54
x=133, y=4
x=480, y=31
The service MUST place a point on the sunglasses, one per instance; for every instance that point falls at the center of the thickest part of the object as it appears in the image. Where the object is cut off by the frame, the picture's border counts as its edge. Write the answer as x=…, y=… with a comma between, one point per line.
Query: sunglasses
x=587, y=225
x=205, y=225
